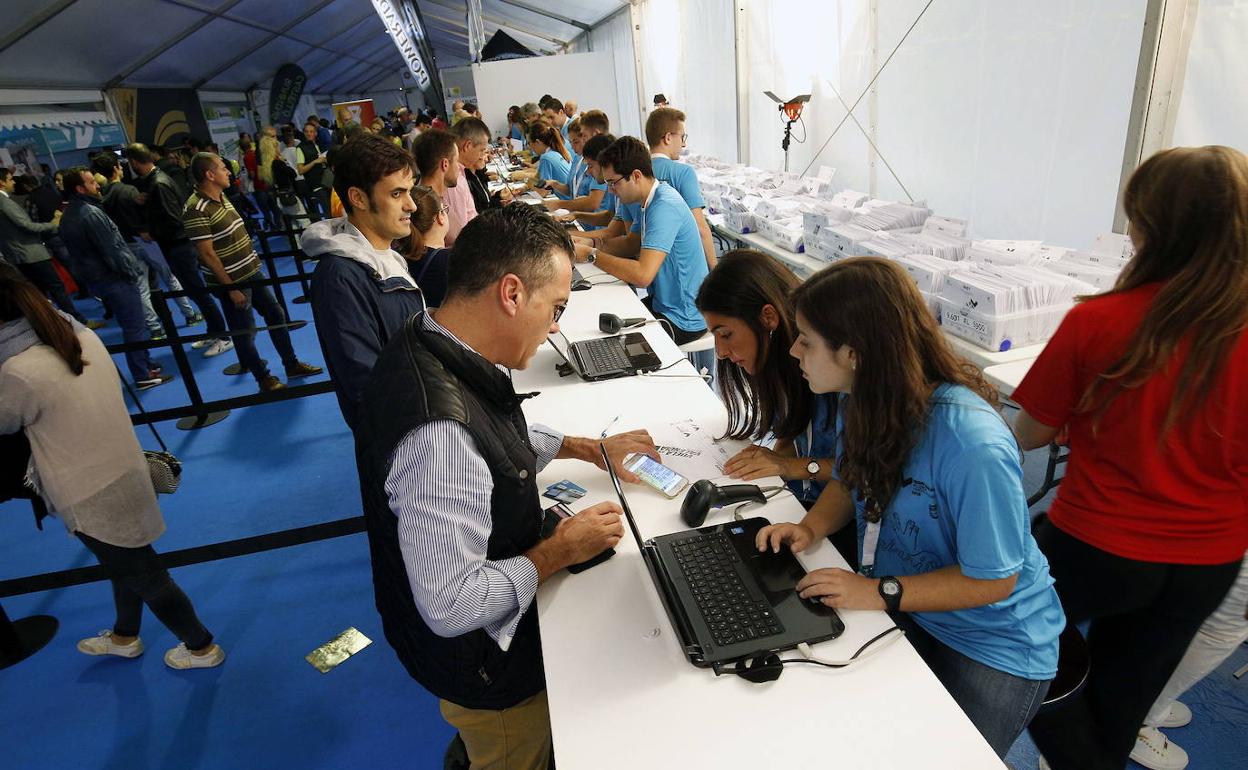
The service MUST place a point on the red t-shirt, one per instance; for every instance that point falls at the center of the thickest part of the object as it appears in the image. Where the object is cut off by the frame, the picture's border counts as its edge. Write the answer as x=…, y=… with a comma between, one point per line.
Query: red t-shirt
x=1181, y=501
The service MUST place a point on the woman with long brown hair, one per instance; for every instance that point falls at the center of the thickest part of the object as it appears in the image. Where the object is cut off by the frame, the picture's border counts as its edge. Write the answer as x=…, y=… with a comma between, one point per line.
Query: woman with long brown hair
x=425, y=249
x=931, y=473
x=59, y=385
x=1150, y=380
x=553, y=160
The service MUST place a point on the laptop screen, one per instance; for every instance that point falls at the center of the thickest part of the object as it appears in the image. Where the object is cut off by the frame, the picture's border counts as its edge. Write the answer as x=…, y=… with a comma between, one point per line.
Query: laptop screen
x=561, y=346
x=628, y=513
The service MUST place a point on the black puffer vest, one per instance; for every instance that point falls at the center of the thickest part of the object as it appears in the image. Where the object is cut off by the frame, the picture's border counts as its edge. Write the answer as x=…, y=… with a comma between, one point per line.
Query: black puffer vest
x=423, y=376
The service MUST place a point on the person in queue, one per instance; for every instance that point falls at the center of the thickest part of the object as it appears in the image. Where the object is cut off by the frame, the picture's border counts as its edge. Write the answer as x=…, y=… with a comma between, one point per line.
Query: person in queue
x=58, y=384
x=932, y=473
x=449, y=470
x=362, y=289
x=1150, y=382
x=425, y=251
x=747, y=302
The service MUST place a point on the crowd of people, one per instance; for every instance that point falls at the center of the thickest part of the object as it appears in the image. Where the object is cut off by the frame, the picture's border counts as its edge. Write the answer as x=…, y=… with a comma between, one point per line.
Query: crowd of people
x=436, y=279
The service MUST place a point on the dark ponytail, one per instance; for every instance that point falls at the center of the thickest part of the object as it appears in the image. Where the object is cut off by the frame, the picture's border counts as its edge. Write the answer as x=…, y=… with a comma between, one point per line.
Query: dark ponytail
x=20, y=299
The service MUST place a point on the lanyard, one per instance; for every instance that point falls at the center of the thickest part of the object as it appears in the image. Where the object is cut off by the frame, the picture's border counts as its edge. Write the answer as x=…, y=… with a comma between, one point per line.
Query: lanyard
x=870, y=542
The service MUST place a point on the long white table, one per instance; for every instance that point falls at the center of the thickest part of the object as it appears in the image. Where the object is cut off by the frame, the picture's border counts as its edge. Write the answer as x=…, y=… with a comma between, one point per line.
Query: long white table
x=1007, y=377
x=622, y=694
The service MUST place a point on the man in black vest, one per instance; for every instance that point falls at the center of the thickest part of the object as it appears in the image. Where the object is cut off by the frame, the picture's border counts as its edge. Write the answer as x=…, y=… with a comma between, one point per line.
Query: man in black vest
x=448, y=470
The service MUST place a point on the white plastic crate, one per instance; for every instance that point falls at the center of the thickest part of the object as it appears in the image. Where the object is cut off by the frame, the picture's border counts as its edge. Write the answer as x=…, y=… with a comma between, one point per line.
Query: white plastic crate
x=1002, y=332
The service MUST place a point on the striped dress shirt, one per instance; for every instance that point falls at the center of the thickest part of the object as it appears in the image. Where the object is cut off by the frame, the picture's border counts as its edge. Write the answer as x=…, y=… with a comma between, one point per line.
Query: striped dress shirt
x=439, y=487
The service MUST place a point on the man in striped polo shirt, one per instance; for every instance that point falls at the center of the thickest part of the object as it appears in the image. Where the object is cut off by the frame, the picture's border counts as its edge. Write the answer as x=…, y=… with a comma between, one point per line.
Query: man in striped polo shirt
x=226, y=256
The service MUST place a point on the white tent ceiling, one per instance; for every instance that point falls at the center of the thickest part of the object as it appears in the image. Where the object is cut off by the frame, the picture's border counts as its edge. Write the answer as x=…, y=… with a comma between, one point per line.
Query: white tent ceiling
x=233, y=45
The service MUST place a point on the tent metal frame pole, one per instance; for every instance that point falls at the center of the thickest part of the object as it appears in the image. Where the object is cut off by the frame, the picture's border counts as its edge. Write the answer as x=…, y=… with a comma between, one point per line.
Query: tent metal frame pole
x=634, y=15
x=541, y=12
x=1164, y=46
x=275, y=34
x=743, y=81
x=41, y=18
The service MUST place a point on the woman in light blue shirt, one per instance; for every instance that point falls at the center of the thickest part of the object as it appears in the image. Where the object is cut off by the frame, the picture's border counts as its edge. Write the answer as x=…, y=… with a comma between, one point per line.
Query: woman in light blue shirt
x=553, y=160
x=936, y=484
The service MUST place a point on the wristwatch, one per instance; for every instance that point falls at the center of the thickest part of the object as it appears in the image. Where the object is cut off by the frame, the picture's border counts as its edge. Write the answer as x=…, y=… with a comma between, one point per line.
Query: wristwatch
x=890, y=591
x=812, y=469
x=593, y=255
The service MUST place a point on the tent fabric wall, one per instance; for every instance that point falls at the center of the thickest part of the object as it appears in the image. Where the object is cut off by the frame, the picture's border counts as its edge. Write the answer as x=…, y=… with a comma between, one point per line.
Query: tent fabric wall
x=1213, y=107
x=614, y=35
x=688, y=55
x=1009, y=113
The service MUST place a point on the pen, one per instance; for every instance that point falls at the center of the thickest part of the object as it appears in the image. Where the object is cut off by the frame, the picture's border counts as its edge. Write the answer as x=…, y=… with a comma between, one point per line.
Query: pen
x=614, y=420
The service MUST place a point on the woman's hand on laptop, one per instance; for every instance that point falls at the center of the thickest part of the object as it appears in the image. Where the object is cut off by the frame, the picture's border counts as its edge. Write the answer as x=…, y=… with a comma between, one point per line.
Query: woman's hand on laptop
x=796, y=536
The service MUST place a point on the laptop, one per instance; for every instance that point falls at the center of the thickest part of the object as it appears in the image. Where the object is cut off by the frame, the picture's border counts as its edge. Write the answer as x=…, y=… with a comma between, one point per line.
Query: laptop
x=607, y=357
x=725, y=599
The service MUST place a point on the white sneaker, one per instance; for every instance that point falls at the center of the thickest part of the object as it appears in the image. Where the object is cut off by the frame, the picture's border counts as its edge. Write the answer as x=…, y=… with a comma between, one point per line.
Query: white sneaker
x=1154, y=751
x=1179, y=715
x=218, y=347
x=197, y=344
x=103, y=644
x=181, y=658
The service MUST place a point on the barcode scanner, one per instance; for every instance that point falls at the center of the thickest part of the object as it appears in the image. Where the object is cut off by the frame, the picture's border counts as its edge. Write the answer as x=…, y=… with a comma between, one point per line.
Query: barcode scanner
x=610, y=323
x=704, y=495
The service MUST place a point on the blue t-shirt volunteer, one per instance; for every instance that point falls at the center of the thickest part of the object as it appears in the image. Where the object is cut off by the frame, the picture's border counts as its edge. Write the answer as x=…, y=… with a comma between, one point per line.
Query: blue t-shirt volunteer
x=552, y=166
x=628, y=213
x=817, y=441
x=668, y=226
x=680, y=176
x=962, y=502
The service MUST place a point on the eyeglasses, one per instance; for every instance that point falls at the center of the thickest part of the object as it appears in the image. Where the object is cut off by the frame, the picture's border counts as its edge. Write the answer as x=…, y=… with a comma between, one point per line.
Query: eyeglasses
x=445, y=208
x=559, y=310
x=612, y=182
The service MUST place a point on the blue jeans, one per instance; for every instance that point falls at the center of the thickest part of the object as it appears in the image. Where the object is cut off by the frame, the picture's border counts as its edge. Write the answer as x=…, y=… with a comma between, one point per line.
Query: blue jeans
x=184, y=261
x=1000, y=705
x=160, y=274
x=263, y=302
x=123, y=297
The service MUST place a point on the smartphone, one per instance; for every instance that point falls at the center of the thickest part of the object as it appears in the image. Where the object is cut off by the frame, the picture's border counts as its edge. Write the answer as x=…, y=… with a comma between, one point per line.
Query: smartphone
x=656, y=474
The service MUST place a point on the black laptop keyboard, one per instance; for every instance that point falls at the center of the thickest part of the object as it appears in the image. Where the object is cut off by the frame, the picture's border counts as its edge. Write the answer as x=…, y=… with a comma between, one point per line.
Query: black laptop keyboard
x=708, y=562
x=606, y=355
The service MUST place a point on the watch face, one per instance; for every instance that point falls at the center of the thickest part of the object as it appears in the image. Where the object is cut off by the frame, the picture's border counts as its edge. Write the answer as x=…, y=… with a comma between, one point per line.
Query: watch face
x=890, y=587
x=812, y=467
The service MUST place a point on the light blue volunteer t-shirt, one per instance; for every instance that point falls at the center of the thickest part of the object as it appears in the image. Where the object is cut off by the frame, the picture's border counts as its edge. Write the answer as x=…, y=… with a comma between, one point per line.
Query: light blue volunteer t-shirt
x=668, y=226
x=552, y=166
x=962, y=502
x=575, y=169
x=682, y=177
x=817, y=441
x=629, y=213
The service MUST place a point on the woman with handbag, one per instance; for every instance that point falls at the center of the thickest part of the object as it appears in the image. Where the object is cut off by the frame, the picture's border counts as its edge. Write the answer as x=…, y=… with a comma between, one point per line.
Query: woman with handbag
x=58, y=384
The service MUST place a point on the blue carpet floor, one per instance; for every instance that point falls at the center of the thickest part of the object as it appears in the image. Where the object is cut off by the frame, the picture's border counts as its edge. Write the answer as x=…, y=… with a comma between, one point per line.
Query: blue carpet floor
x=266, y=469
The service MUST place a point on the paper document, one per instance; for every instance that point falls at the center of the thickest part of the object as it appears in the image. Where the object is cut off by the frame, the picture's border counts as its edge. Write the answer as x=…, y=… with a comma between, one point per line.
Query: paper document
x=692, y=451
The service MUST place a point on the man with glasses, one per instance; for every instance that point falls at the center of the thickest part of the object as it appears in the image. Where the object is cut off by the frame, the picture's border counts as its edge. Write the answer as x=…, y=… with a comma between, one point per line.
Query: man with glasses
x=362, y=290
x=617, y=227
x=665, y=133
x=448, y=469
x=671, y=264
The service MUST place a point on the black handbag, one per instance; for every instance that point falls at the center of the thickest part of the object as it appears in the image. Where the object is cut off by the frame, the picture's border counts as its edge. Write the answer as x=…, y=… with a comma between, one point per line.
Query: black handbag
x=165, y=469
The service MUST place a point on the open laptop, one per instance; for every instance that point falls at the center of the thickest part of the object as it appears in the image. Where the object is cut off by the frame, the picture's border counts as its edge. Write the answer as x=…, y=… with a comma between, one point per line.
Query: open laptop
x=725, y=599
x=607, y=357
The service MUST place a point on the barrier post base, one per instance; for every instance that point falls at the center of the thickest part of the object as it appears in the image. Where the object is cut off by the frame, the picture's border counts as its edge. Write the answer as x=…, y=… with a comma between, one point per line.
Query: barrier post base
x=22, y=638
x=202, y=421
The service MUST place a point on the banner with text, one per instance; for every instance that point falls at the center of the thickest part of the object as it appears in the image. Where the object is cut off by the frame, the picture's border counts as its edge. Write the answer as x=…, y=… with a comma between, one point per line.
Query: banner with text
x=406, y=27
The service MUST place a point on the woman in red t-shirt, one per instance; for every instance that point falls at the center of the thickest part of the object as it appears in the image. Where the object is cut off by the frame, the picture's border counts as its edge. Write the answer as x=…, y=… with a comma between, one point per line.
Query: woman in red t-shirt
x=1150, y=379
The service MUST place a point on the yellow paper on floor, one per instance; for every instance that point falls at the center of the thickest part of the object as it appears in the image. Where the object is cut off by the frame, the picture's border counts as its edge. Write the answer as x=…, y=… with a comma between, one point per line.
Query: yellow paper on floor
x=338, y=649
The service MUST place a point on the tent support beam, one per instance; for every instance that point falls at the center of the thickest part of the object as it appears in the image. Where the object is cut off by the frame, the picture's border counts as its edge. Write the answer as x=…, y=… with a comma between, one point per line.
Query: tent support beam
x=191, y=29
x=37, y=21
x=504, y=23
x=1164, y=47
x=541, y=12
x=248, y=52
